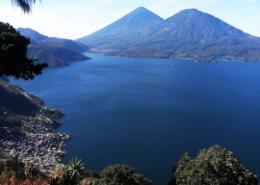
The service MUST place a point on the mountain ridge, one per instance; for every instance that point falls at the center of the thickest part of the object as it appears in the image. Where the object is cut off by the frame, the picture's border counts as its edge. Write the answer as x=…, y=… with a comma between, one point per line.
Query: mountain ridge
x=189, y=34
x=56, y=52
x=34, y=35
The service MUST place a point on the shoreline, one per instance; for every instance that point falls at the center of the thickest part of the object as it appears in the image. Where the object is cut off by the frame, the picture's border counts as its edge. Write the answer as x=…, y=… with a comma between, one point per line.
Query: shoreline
x=32, y=138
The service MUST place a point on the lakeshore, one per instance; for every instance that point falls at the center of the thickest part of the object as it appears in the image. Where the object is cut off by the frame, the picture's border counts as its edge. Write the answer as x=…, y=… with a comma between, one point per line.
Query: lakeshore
x=32, y=138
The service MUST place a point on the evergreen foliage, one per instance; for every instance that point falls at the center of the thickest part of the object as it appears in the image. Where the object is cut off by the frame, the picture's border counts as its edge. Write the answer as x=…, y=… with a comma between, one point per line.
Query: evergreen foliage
x=13, y=55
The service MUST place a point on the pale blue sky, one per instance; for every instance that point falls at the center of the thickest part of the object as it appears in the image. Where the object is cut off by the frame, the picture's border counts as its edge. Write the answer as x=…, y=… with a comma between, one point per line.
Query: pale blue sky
x=76, y=18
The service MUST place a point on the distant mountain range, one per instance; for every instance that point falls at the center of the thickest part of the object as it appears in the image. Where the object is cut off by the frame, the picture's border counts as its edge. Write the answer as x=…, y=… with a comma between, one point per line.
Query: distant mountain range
x=55, y=52
x=190, y=34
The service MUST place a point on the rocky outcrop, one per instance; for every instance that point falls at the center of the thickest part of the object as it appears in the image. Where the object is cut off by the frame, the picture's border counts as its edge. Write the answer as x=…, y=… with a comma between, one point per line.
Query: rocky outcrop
x=28, y=129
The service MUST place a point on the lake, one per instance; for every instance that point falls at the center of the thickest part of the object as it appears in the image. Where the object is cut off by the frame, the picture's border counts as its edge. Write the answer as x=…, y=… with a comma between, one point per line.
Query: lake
x=148, y=112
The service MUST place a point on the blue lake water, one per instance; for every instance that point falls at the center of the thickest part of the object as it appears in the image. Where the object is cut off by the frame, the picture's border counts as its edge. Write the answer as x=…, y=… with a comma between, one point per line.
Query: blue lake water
x=147, y=113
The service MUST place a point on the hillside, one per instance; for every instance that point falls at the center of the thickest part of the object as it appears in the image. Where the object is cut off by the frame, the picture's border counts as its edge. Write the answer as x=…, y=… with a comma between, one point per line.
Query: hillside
x=190, y=34
x=32, y=34
x=66, y=43
x=54, y=56
x=56, y=52
x=29, y=133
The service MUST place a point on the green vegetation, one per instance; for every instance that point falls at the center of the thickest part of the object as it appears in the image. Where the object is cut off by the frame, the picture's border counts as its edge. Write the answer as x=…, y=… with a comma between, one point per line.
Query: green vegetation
x=13, y=55
x=120, y=175
x=74, y=171
x=13, y=171
x=13, y=49
x=213, y=166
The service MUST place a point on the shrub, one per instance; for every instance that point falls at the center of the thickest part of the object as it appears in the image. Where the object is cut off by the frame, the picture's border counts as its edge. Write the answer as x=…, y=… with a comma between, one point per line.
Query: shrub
x=57, y=176
x=14, y=172
x=120, y=175
x=213, y=166
x=74, y=172
x=11, y=166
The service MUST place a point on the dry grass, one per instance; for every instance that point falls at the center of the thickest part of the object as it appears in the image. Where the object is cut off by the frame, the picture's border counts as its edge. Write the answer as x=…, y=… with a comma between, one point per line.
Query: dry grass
x=27, y=181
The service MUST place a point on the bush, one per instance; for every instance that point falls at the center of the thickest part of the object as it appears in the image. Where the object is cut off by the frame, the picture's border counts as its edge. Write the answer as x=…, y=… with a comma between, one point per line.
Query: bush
x=12, y=171
x=213, y=166
x=120, y=175
x=10, y=166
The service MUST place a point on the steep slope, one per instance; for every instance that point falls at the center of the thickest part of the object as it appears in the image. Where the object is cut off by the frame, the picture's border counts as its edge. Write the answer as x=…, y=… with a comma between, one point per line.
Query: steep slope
x=195, y=26
x=66, y=43
x=54, y=56
x=130, y=28
x=27, y=129
x=15, y=100
x=32, y=34
x=56, y=52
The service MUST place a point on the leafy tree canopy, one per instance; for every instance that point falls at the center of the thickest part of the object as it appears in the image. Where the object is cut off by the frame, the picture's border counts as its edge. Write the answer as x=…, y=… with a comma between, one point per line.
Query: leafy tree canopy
x=13, y=55
x=213, y=166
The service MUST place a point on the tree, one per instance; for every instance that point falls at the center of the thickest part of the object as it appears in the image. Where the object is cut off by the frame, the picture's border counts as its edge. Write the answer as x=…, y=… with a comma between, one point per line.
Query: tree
x=13, y=49
x=213, y=166
x=25, y=5
x=13, y=55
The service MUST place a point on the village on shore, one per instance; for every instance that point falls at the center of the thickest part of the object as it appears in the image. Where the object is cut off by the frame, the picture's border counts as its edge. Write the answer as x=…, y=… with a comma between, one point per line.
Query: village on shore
x=32, y=138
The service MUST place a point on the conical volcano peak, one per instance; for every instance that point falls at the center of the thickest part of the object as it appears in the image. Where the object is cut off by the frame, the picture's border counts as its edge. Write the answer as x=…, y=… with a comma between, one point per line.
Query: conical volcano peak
x=141, y=8
x=128, y=28
x=194, y=13
x=192, y=19
x=143, y=12
x=191, y=10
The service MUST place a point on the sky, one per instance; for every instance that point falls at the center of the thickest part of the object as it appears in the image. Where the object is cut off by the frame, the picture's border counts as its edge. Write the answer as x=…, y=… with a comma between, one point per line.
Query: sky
x=76, y=18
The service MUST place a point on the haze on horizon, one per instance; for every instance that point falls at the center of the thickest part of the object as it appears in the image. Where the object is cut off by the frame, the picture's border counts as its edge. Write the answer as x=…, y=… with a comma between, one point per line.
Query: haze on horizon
x=74, y=19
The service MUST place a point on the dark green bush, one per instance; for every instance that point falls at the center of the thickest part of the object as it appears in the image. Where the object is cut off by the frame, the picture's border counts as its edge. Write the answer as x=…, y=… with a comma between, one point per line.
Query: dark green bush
x=213, y=166
x=120, y=175
x=12, y=165
x=13, y=55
